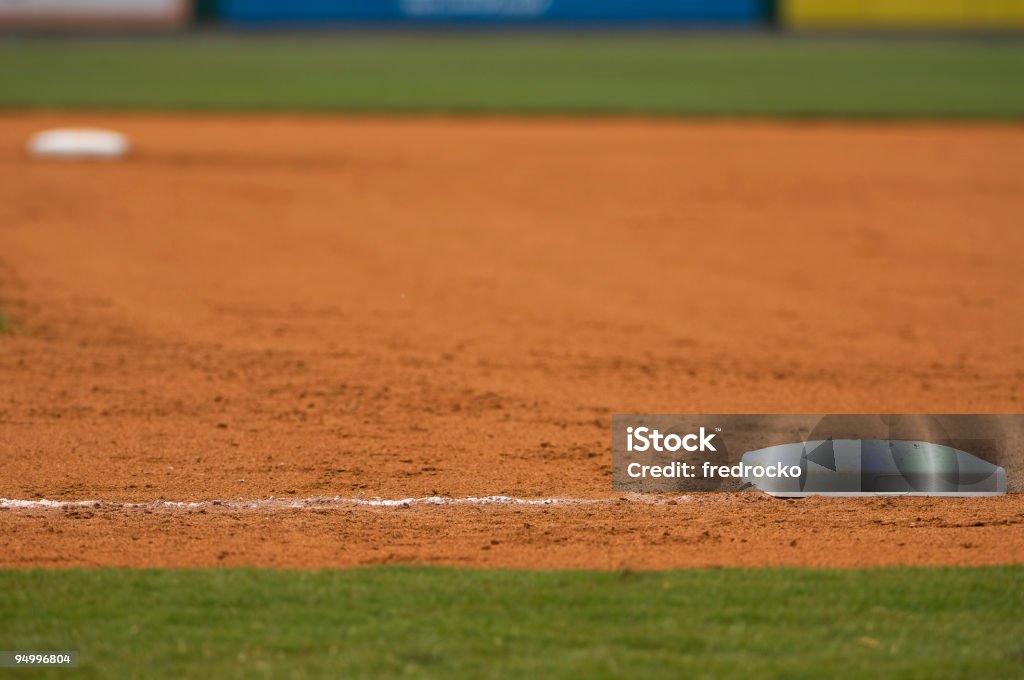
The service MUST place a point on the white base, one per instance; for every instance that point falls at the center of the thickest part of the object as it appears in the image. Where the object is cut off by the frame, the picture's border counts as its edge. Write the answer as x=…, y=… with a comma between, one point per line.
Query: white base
x=78, y=143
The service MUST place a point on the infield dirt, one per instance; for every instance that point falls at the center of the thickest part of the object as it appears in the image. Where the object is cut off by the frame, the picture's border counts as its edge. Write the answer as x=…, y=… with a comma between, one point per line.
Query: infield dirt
x=300, y=306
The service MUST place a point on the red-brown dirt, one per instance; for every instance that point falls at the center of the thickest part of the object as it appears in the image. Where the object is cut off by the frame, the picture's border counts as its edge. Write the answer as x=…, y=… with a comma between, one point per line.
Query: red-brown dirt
x=298, y=306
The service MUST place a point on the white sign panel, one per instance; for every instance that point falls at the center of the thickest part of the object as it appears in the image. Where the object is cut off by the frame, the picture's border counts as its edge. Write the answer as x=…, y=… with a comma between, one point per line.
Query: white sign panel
x=92, y=13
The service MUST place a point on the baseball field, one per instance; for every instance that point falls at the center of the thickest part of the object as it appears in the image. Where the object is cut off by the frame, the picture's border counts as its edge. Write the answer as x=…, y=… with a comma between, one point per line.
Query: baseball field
x=318, y=381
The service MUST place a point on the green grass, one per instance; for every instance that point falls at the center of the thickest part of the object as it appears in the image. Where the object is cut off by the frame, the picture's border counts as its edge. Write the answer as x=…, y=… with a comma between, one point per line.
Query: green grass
x=649, y=74
x=5, y=323
x=429, y=622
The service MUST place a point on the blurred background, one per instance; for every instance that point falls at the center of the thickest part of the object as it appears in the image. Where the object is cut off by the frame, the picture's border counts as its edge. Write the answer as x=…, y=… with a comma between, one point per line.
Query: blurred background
x=167, y=14
x=787, y=58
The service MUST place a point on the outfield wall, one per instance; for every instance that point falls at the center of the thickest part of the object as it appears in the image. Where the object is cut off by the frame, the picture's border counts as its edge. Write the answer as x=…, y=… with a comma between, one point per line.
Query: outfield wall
x=713, y=12
x=787, y=14
x=911, y=14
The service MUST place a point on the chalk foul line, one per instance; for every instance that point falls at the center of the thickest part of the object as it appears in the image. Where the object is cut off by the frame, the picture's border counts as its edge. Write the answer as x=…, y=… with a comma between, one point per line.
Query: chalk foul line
x=320, y=502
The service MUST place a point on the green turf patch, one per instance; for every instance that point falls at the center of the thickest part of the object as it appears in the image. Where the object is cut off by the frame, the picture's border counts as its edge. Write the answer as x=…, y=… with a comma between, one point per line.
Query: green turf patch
x=429, y=622
x=745, y=75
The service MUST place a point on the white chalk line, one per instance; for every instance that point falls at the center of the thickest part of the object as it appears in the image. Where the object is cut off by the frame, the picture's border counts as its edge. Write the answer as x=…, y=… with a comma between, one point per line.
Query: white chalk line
x=322, y=502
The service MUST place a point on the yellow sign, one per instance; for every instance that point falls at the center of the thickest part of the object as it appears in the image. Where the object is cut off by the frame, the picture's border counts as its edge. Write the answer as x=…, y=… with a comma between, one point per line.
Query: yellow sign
x=903, y=13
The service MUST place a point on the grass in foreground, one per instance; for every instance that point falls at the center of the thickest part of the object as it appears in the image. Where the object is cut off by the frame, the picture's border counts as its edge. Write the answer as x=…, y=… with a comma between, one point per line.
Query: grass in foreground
x=430, y=622
x=738, y=75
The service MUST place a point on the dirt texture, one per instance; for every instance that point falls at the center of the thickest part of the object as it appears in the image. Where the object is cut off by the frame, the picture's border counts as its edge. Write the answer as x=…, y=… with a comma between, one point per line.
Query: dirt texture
x=257, y=306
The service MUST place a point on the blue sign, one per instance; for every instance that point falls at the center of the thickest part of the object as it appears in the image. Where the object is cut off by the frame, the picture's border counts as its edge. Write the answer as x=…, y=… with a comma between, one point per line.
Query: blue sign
x=265, y=12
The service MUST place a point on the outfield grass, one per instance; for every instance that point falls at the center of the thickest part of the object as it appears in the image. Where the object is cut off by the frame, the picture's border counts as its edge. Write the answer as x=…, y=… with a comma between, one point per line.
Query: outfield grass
x=430, y=622
x=744, y=75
